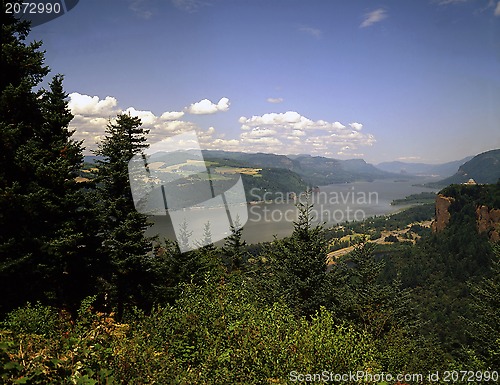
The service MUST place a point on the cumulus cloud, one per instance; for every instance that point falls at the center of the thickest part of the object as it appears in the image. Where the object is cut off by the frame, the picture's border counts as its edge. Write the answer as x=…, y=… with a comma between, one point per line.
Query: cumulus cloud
x=374, y=17
x=356, y=126
x=173, y=115
x=497, y=9
x=290, y=132
x=274, y=100
x=205, y=106
x=291, y=120
x=91, y=105
x=283, y=133
x=147, y=117
x=92, y=115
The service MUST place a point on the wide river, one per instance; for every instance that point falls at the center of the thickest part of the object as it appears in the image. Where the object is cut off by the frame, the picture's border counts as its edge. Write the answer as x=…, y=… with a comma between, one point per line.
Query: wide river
x=332, y=204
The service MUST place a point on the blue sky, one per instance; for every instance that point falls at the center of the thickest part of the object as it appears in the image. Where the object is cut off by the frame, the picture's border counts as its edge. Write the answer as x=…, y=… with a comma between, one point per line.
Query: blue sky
x=381, y=80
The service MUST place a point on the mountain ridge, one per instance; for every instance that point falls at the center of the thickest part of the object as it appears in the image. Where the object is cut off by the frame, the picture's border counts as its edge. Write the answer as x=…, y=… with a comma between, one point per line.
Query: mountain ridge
x=320, y=170
x=483, y=168
x=424, y=169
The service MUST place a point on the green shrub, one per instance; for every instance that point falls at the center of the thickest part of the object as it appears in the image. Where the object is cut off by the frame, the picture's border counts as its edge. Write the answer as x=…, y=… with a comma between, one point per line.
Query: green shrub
x=37, y=319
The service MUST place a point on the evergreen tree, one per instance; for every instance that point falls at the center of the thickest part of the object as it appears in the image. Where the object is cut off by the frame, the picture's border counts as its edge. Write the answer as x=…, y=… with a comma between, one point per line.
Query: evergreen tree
x=358, y=295
x=38, y=165
x=193, y=266
x=484, y=326
x=298, y=265
x=234, y=248
x=130, y=259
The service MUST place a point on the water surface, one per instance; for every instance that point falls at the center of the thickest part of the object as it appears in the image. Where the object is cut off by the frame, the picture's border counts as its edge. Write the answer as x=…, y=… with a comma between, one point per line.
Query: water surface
x=333, y=204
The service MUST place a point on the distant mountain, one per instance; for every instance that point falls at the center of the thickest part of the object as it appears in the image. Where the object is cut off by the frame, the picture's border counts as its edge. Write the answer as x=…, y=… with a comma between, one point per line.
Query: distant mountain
x=257, y=159
x=423, y=169
x=315, y=170
x=483, y=168
x=319, y=170
x=92, y=158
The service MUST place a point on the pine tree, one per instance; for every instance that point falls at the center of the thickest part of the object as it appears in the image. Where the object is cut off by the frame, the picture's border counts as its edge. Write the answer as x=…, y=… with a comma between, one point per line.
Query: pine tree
x=298, y=265
x=129, y=252
x=484, y=327
x=234, y=248
x=38, y=164
x=358, y=295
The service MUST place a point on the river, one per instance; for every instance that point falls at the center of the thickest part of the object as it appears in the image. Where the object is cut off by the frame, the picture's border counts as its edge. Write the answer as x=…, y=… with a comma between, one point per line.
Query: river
x=332, y=204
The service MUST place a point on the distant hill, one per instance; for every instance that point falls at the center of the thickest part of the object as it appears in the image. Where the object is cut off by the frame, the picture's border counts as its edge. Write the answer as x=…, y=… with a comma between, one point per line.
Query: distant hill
x=483, y=168
x=319, y=170
x=92, y=158
x=298, y=170
x=315, y=170
x=423, y=169
x=257, y=159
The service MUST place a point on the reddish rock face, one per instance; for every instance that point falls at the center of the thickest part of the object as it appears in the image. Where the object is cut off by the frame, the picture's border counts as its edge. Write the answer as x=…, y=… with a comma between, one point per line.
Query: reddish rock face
x=442, y=214
x=488, y=221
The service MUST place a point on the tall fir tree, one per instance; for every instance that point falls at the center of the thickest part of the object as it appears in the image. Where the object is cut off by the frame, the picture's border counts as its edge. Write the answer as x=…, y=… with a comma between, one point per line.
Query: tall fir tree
x=38, y=165
x=234, y=248
x=129, y=252
x=484, y=326
x=298, y=265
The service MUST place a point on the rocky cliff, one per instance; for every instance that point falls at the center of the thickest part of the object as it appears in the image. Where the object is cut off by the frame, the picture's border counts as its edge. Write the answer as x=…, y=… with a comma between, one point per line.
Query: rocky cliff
x=487, y=220
x=442, y=216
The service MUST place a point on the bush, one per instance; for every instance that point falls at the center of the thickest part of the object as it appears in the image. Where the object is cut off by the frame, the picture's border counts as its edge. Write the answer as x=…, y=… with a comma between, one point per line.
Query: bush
x=391, y=238
x=216, y=333
x=37, y=319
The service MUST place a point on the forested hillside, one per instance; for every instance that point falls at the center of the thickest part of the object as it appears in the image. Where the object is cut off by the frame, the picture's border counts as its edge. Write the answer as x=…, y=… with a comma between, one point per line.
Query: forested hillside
x=87, y=298
x=314, y=170
x=483, y=168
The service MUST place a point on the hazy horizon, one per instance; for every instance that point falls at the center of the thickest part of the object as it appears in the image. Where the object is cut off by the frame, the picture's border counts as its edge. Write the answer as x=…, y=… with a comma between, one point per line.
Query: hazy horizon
x=415, y=81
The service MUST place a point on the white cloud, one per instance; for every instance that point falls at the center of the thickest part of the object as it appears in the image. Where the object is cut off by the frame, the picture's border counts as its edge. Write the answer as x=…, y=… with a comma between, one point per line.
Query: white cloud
x=282, y=133
x=92, y=115
x=374, y=17
x=289, y=120
x=205, y=106
x=497, y=9
x=274, y=100
x=91, y=105
x=173, y=115
x=295, y=133
x=409, y=158
x=317, y=33
x=260, y=132
x=147, y=117
x=265, y=141
x=356, y=126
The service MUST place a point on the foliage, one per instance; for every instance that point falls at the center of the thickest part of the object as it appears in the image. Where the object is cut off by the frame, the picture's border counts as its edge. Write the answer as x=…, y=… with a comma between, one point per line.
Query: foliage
x=297, y=265
x=391, y=238
x=483, y=168
x=40, y=238
x=87, y=298
x=128, y=251
x=274, y=182
x=216, y=333
x=234, y=248
x=484, y=329
x=488, y=195
x=423, y=197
